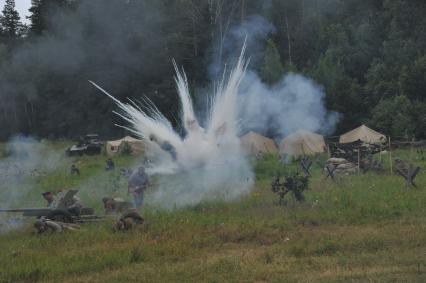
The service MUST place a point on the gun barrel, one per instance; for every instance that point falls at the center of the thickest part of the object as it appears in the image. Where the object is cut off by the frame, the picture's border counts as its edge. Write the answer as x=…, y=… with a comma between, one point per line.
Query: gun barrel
x=29, y=211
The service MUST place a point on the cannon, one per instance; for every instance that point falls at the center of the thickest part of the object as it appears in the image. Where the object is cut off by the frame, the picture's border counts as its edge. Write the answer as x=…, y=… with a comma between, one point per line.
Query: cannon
x=60, y=212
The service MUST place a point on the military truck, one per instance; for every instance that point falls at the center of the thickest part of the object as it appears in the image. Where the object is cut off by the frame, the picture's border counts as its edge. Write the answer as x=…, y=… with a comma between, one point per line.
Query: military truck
x=89, y=145
x=60, y=212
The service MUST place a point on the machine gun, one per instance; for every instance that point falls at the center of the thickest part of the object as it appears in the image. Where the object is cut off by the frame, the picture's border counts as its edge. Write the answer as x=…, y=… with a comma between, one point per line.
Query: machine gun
x=295, y=183
x=60, y=212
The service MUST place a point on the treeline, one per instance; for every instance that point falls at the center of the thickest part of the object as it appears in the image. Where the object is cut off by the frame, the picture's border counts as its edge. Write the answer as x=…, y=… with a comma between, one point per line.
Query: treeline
x=368, y=54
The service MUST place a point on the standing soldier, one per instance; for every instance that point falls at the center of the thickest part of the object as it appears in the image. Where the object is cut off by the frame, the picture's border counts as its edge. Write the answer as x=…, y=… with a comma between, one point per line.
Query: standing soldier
x=137, y=185
x=110, y=166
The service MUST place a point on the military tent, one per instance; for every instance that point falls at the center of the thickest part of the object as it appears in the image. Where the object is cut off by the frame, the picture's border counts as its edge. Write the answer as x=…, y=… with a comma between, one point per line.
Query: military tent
x=364, y=134
x=114, y=147
x=302, y=142
x=253, y=143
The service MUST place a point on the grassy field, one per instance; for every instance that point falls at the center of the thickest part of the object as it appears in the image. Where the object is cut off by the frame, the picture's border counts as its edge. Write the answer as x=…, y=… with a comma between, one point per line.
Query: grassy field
x=368, y=228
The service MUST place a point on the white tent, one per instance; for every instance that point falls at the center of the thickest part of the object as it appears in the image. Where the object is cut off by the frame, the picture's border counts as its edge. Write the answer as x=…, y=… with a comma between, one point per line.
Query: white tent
x=302, y=142
x=364, y=134
x=253, y=143
x=114, y=147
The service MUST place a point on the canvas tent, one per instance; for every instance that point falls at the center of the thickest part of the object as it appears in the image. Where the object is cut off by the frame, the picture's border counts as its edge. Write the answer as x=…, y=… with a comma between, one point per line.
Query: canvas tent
x=253, y=143
x=364, y=134
x=302, y=142
x=114, y=147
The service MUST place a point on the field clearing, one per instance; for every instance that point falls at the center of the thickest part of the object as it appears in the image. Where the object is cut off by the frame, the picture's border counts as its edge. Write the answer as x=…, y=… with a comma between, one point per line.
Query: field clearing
x=362, y=228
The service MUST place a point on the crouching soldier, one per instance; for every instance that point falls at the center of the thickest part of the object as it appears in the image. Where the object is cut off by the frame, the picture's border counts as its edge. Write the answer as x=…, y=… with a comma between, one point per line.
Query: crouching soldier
x=44, y=225
x=72, y=204
x=115, y=205
x=128, y=221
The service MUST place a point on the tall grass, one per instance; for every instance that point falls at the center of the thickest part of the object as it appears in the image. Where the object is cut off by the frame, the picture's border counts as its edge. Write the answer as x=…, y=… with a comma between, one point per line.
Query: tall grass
x=358, y=228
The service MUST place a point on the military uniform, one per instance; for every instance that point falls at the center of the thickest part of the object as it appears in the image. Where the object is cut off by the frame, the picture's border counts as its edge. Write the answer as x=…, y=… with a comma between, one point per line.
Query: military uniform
x=44, y=225
x=128, y=221
x=137, y=185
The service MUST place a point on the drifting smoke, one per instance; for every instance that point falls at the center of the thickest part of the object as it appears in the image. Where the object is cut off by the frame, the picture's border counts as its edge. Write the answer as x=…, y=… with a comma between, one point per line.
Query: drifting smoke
x=207, y=163
x=295, y=102
x=107, y=41
x=27, y=160
x=253, y=32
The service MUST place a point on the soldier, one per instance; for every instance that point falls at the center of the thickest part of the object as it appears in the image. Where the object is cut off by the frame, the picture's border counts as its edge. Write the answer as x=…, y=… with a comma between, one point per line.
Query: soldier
x=128, y=221
x=50, y=198
x=110, y=166
x=114, y=205
x=73, y=205
x=166, y=146
x=137, y=184
x=44, y=225
x=75, y=170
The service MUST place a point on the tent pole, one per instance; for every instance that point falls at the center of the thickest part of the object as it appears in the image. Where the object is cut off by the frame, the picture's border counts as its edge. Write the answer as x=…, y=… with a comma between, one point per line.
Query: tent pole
x=390, y=155
x=359, y=148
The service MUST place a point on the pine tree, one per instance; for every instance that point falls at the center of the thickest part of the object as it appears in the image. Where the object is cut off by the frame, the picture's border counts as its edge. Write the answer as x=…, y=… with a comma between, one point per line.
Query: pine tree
x=37, y=24
x=42, y=11
x=11, y=25
x=272, y=69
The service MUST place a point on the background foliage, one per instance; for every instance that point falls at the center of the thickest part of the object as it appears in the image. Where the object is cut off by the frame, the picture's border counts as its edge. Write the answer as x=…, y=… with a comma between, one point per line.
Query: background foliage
x=368, y=54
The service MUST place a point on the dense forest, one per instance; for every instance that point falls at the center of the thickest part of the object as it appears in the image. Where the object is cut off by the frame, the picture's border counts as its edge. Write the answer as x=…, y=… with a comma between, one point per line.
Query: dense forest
x=369, y=55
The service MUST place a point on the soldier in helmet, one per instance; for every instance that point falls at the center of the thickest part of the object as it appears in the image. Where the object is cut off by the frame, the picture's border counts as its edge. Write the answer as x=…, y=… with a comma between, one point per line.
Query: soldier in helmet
x=44, y=225
x=128, y=221
x=50, y=198
x=137, y=185
x=73, y=205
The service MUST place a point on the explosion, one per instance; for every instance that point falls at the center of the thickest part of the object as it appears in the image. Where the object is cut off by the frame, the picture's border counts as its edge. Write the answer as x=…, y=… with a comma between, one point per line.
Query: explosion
x=206, y=163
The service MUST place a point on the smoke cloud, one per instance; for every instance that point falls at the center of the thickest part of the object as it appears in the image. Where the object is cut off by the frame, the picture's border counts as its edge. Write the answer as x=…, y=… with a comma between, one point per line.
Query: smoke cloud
x=26, y=161
x=295, y=102
x=106, y=41
x=252, y=32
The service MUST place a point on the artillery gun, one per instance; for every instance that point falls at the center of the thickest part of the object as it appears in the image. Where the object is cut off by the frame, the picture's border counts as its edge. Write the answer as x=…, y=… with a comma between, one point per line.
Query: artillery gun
x=60, y=212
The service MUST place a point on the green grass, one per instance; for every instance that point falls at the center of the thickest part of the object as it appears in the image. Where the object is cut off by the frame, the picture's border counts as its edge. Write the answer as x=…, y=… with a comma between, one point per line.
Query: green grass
x=359, y=229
